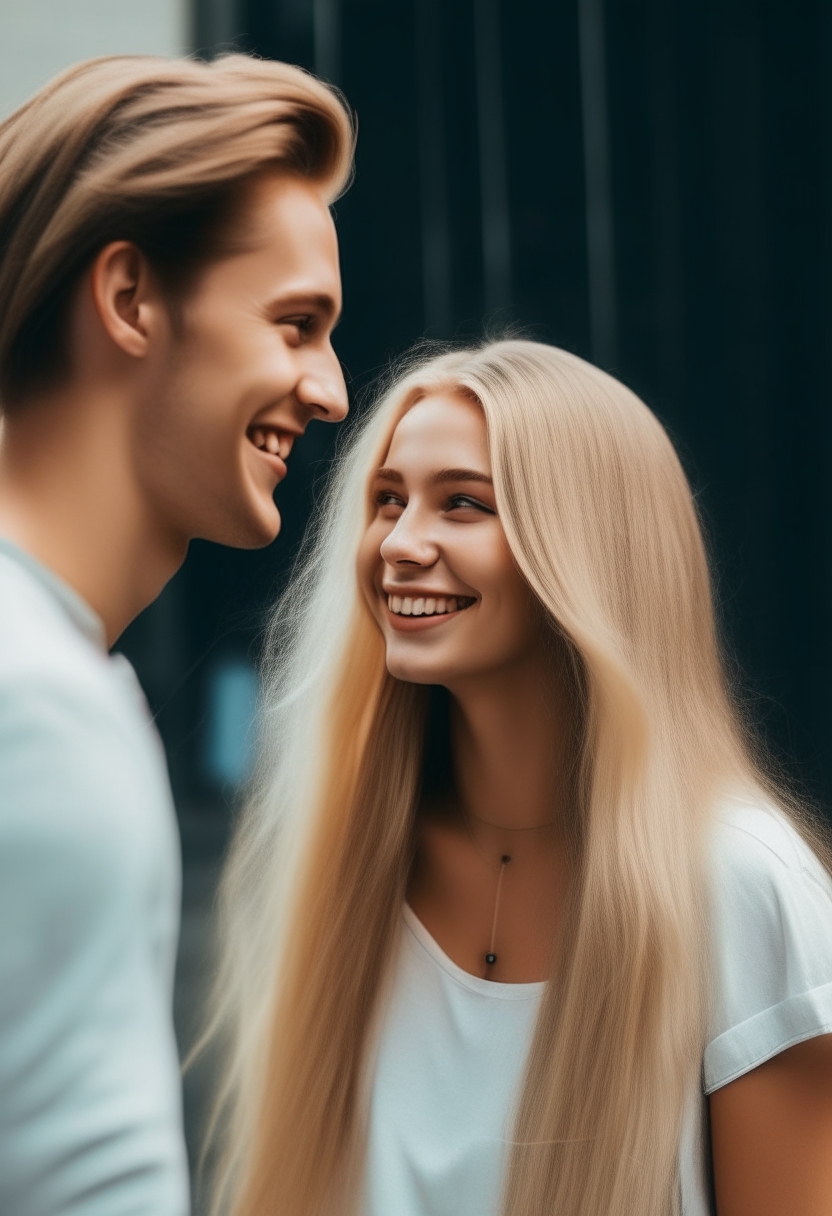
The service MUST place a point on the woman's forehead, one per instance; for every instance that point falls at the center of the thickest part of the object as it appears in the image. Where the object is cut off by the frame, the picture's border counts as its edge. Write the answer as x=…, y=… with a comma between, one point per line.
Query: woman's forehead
x=441, y=429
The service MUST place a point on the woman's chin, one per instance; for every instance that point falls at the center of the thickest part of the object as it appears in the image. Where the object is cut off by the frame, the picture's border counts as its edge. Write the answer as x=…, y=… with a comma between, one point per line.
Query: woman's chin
x=411, y=670
x=409, y=674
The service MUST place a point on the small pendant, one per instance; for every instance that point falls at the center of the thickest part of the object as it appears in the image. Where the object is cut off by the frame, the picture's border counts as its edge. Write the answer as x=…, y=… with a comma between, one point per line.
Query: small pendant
x=491, y=959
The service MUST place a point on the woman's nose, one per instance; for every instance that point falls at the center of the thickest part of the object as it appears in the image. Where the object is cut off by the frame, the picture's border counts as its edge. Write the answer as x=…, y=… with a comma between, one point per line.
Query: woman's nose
x=409, y=543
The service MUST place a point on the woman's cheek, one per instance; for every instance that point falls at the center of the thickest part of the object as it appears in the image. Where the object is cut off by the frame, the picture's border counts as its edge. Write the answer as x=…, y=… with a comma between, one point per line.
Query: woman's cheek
x=369, y=561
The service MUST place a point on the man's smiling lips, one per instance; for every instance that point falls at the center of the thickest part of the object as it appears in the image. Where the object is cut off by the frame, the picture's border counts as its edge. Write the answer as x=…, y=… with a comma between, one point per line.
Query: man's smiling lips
x=273, y=443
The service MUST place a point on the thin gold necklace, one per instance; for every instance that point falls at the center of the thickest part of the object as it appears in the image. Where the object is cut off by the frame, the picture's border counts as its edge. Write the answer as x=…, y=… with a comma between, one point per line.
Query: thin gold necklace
x=504, y=827
x=491, y=956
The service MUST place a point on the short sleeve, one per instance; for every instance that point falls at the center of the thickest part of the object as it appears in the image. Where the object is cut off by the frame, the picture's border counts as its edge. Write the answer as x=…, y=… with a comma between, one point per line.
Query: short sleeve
x=772, y=944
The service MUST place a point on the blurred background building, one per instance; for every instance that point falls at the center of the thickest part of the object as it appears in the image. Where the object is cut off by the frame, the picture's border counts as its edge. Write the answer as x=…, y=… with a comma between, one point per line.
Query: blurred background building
x=645, y=182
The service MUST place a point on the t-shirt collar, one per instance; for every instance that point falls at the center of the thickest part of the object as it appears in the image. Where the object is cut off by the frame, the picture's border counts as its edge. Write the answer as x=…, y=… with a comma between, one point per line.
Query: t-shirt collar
x=77, y=609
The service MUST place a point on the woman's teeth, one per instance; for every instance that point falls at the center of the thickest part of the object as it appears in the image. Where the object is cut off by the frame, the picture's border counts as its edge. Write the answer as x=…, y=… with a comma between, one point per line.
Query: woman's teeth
x=427, y=606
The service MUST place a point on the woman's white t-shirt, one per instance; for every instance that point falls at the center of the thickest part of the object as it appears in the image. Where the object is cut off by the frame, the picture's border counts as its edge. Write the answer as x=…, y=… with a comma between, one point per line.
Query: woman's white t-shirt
x=452, y=1047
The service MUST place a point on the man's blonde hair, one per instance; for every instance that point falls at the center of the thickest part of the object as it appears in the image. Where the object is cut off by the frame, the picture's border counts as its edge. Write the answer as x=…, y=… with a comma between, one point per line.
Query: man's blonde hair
x=151, y=150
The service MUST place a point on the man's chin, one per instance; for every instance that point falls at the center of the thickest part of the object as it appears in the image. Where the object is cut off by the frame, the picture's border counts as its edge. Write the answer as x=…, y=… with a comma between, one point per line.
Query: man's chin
x=255, y=532
x=267, y=533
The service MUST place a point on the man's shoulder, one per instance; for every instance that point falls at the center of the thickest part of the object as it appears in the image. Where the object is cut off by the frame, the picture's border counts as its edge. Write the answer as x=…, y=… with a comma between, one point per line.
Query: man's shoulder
x=89, y=897
x=36, y=634
x=84, y=795
x=72, y=728
x=44, y=657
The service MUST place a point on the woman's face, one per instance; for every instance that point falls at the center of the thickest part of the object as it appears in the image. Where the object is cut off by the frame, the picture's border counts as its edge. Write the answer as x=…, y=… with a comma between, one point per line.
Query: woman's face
x=434, y=562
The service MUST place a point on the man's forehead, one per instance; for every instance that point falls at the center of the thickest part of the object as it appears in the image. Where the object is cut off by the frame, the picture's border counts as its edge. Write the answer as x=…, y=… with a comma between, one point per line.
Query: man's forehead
x=290, y=205
x=293, y=238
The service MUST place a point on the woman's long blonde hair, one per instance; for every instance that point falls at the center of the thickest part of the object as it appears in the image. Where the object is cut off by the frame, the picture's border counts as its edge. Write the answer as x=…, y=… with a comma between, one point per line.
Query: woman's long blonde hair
x=601, y=522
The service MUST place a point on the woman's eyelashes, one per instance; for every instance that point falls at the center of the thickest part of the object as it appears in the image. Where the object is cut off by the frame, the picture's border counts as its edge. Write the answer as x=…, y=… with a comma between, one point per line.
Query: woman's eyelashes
x=461, y=501
x=456, y=502
x=386, y=498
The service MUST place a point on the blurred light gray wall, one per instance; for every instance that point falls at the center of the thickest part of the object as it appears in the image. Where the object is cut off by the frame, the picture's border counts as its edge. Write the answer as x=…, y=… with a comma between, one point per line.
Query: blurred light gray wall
x=38, y=38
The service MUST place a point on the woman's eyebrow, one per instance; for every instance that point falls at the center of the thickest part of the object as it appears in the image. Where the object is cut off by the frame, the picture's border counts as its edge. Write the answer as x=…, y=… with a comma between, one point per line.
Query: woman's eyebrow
x=445, y=475
x=441, y=477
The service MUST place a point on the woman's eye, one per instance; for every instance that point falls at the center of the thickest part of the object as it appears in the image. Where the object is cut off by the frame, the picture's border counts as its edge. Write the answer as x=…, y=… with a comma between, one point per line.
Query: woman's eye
x=462, y=501
x=385, y=498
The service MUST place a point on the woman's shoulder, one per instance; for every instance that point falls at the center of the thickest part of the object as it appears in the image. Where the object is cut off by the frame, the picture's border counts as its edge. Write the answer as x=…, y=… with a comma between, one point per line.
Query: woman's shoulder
x=756, y=845
x=771, y=925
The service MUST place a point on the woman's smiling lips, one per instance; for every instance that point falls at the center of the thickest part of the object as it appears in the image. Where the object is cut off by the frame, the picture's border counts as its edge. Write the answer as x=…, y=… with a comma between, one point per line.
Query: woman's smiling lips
x=408, y=613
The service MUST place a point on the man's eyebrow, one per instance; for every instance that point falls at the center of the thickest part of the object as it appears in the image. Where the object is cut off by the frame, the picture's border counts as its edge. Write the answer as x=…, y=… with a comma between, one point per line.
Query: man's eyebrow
x=442, y=477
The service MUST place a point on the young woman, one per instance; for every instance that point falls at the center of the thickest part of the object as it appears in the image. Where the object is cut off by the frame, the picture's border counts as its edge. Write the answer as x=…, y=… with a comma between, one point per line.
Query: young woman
x=515, y=922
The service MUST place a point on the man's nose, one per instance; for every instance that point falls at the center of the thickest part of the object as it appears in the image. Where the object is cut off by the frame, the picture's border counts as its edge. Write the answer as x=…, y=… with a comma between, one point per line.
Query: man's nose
x=323, y=390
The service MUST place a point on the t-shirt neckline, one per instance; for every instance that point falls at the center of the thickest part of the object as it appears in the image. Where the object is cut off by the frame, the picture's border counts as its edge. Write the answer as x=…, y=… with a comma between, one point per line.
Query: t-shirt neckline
x=83, y=617
x=490, y=988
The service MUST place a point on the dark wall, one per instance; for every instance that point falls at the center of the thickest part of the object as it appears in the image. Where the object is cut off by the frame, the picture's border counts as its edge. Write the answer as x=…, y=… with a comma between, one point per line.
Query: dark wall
x=645, y=182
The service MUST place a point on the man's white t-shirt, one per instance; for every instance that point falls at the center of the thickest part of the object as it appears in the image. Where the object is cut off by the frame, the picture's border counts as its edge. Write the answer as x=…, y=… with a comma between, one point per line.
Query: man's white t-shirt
x=452, y=1047
x=90, y=1106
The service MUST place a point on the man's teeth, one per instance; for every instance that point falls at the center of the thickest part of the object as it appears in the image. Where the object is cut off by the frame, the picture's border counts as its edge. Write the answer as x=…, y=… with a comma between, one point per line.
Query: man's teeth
x=427, y=606
x=266, y=440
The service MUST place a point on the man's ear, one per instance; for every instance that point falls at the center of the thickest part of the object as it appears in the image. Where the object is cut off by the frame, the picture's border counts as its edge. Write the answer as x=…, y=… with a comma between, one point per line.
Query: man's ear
x=125, y=296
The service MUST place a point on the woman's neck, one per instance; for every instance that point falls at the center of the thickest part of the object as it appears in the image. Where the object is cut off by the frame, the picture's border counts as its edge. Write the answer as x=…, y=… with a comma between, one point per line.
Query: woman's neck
x=512, y=737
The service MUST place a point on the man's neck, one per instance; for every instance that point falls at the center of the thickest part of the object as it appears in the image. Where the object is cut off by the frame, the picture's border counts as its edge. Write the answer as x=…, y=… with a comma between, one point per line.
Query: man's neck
x=69, y=497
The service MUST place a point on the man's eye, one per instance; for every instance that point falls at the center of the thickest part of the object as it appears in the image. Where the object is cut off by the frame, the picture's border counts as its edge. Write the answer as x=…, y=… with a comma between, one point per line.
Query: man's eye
x=303, y=325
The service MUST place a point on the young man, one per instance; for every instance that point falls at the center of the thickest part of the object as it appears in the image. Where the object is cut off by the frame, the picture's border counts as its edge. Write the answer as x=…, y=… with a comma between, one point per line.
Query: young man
x=168, y=286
